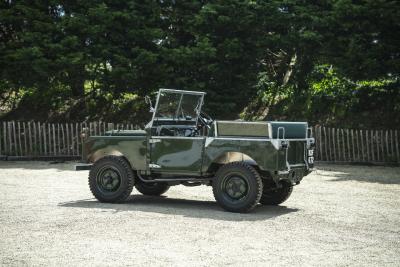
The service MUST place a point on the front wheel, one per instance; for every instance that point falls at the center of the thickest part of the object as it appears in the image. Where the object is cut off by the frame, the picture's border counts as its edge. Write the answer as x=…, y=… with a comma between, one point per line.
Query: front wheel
x=152, y=189
x=237, y=187
x=276, y=196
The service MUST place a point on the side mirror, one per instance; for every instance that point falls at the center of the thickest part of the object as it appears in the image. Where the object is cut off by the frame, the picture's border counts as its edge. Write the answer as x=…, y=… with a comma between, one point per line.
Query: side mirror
x=147, y=99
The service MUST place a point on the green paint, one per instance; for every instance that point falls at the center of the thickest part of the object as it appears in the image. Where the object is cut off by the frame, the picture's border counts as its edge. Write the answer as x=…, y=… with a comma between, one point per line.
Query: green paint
x=154, y=151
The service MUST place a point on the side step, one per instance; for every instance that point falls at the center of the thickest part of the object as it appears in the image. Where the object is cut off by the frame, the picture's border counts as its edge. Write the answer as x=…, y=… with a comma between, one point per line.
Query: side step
x=174, y=179
x=83, y=167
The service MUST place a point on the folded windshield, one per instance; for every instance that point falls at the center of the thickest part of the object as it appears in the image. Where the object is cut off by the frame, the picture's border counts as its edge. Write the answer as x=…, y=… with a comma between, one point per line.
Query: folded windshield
x=178, y=105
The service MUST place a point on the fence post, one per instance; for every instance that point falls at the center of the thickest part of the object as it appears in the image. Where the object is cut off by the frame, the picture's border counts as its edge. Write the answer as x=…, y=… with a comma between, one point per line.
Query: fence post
x=391, y=145
x=397, y=146
x=330, y=144
x=15, y=139
x=6, y=144
x=338, y=144
x=9, y=138
x=5, y=138
x=40, y=139
x=58, y=139
x=25, y=142
x=343, y=142
x=68, y=139
x=377, y=145
x=72, y=139
x=1, y=141
x=387, y=145
x=30, y=139
x=63, y=139
x=49, y=137
x=357, y=146
x=392, y=153
x=367, y=145
x=362, y=146
x=19, y=139
x=320, y=142
x=352, y=144
x=382, y=146
x=78, y=138
x=54, y=139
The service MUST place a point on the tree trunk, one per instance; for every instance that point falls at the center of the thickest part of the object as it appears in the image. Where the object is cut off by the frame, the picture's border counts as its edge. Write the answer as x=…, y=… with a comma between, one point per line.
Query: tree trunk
x=77, y=81
x=263, y=112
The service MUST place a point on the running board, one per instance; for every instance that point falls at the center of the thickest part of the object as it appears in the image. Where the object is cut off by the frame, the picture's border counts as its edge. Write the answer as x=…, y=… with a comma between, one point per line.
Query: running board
x=172, y=179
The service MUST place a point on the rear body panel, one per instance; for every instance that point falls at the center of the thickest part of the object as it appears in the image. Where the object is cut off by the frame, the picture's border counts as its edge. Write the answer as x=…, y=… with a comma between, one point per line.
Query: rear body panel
x=260, y=151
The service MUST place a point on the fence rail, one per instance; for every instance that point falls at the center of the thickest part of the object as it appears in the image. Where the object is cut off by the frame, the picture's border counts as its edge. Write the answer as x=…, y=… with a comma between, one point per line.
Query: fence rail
x=36, y=140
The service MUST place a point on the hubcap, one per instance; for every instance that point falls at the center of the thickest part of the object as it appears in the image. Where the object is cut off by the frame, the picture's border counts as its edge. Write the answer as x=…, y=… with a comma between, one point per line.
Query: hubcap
x=108, y=179
x=236, y=187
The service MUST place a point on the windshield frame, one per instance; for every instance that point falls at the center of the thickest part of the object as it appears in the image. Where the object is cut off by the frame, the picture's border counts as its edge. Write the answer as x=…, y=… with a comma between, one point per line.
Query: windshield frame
x=182, y=93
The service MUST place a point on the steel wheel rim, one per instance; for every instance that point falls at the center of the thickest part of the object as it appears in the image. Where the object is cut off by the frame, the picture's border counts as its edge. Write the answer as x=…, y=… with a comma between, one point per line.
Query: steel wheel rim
x=235, y=187
x=108, y=180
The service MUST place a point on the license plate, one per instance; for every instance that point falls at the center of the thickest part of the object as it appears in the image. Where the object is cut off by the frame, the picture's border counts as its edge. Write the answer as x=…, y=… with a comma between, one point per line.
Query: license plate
x=310, y=156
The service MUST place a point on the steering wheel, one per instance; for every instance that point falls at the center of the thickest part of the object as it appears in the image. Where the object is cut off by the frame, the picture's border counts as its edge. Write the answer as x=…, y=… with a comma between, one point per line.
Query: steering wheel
x=205, y=119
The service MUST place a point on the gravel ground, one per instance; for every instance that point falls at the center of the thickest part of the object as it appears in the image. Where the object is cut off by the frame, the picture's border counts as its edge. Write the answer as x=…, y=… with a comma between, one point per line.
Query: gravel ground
x=338, y=216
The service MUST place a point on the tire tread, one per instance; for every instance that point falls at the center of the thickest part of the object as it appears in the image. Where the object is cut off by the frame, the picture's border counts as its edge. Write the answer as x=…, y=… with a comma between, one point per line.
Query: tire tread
x=130, y=178
x=257, y=178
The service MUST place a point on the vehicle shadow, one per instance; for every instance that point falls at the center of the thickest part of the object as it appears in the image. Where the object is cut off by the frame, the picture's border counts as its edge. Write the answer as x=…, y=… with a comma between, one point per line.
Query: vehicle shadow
x=183, y=207
x=366, y=174
x=58, y=165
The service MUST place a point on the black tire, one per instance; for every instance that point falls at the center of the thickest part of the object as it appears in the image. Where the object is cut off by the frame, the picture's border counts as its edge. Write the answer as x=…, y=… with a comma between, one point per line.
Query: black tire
x=237, y=187
x=111, y=179
x=276, y=196
x=152, y=189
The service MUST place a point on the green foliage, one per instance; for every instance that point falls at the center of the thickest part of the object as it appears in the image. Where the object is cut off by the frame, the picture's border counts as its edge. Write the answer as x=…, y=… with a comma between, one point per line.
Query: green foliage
x=331, y=61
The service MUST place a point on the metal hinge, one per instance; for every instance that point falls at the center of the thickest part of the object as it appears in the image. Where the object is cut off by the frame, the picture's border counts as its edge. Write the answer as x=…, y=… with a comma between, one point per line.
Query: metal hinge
x=154, y=166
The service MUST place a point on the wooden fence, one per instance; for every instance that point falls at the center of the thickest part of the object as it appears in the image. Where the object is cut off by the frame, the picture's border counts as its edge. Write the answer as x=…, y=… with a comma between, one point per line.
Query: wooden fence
x=48, y=140
x=52, y=140
x=351, y=145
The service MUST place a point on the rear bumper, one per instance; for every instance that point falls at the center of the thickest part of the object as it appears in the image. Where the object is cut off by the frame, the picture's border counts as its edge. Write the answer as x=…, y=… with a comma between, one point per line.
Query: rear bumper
x=83, y=167
x=294, y=175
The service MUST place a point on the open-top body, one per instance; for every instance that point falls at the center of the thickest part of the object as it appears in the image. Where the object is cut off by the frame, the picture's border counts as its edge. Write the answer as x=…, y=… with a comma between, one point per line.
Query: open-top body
x=182, y=145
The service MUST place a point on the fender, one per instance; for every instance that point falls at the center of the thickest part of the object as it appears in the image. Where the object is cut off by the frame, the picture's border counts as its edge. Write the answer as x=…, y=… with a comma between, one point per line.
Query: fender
x=259, y=152
x=133, y=148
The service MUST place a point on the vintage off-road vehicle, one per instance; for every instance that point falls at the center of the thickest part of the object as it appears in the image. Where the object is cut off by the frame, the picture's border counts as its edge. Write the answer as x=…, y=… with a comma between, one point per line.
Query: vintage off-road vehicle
x=246, y=163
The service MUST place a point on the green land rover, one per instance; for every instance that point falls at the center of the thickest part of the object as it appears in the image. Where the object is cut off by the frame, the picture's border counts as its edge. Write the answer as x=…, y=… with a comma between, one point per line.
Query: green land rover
x=246, y=163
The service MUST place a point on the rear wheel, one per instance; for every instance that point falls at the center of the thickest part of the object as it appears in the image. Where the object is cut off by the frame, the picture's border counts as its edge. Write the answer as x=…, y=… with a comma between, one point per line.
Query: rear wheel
x=276, y=196
x=111, y=179
x=152, y=189
x=237, y=187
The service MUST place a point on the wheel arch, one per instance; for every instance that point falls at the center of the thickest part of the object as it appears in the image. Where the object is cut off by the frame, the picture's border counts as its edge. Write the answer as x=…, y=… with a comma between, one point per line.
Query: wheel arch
x=101, y=153
x=231, y=156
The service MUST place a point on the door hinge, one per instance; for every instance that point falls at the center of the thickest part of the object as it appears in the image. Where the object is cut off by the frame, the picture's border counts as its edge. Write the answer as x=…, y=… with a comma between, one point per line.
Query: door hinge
x=153, y=141
x=154, y=166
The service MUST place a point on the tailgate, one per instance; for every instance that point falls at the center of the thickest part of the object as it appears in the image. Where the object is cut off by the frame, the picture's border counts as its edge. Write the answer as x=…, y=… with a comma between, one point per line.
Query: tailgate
x=299, y=153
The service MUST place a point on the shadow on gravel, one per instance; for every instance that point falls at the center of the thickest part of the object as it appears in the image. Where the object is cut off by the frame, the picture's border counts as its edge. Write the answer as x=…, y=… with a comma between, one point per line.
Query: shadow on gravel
x=374, y=174
x=183, y=207
x=39, y=165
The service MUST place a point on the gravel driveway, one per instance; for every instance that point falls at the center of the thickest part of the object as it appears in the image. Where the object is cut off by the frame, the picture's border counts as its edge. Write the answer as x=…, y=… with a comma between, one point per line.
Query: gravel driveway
x=338, y=216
